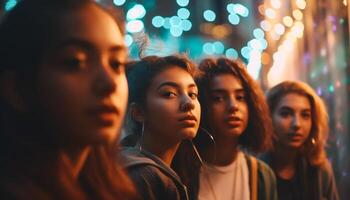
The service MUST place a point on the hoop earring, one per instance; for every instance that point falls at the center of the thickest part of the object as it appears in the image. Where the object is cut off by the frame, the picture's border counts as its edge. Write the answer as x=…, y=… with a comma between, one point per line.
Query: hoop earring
x=196, y=150
x=142, y=133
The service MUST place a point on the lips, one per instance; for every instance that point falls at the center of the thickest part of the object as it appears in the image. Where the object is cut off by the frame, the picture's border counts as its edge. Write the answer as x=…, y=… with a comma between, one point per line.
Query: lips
x=188, y=121
x=295, y=136
x=103, y=114
x=233, y=121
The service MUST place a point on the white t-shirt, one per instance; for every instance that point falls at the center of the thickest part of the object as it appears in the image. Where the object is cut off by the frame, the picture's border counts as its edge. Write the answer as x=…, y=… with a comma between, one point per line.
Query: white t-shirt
x=229, y=182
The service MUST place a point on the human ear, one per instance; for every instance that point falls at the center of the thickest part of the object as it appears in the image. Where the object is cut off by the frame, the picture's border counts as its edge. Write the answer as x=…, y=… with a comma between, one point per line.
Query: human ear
x=137, y=112
x=9, y=91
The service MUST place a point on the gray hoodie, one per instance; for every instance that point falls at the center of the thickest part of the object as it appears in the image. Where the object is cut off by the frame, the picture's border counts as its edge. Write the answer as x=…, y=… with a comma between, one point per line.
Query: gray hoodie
x=153, y=179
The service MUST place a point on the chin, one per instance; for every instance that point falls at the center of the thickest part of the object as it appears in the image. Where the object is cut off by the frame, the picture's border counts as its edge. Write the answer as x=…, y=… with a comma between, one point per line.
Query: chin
x=234, y=134
x=189, y=135
x=294, y=145
x=104, y=137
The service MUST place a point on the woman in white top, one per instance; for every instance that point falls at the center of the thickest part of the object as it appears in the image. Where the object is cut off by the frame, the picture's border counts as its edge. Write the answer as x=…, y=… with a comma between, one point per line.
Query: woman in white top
x=235, y=113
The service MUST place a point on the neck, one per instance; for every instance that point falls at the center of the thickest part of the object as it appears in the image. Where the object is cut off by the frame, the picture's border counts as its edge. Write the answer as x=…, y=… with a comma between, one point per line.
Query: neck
x=225, y=151
x=284, y=162
x=74, y=159
x=164, y=149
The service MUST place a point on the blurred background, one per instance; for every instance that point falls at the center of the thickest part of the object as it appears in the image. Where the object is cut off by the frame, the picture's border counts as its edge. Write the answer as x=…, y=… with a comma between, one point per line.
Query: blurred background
x=305, y=40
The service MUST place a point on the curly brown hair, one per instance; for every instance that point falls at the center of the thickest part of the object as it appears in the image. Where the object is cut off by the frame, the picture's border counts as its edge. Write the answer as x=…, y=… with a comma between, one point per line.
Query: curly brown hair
x=313, y=148
x=258, y=135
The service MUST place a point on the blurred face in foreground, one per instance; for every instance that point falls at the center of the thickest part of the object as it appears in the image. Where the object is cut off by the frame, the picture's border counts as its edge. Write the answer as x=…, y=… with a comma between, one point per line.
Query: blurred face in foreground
x=81, y=82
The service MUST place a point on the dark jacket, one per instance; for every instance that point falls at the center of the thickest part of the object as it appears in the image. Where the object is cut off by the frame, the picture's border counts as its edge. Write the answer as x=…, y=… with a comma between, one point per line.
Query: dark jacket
x=312, y=182
x=152, y=178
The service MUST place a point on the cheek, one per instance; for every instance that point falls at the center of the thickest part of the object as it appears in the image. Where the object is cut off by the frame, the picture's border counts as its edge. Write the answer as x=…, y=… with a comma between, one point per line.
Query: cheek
x=308, y=125
x=245, y=112
x=120, y=97
x=281, y=125
x=216, y=112
x=197, y=110
x=160, y=109
x=62, y=97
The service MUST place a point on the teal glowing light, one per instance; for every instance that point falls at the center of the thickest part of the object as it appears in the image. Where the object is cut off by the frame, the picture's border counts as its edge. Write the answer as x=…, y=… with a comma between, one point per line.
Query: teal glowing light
x=209, y=15
x=263, y=43
x=230, y=8
x=233, y=19
x=134, y=26
x=183, y=13
x=136, y=12
x=10, y=4
x=182, y=3
x=175, y=31
x=166, y=24
x=175, y=21
x=219, y=47
x=186, y=25
x=208, y=48
x=258, y=33
x=331, y=88
x=241, y=10
x=158, y=21
x=128, y=40
x=245, y=51
x=231, y=53
x=119, y=2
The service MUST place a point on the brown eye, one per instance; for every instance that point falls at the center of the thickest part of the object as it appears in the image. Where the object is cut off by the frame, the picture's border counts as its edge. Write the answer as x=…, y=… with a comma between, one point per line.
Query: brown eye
x=285, y=113
x=193, y=95
x=306, y=115
x=169, y=94
x=117, y=66
x=240, y=97
x=217, y=98
x=74, y=63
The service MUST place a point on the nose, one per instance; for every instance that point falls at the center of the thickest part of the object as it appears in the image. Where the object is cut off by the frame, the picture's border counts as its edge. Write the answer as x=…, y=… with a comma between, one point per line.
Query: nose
x=296, y=122
x=104, y=82
x=232, y=104
x=187, y=104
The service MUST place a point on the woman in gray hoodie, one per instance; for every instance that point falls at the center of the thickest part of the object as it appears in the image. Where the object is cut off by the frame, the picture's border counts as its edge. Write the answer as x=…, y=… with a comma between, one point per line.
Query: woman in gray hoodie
x=163, y=112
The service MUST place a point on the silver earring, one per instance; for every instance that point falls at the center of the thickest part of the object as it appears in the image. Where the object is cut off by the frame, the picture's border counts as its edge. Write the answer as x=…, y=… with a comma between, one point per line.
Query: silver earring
x=142, y=133
x=313, y=141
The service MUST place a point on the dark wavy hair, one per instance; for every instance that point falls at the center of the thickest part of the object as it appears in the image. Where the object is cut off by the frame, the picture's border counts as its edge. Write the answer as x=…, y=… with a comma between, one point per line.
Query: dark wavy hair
x=27, y=156
x=313, y=151
x=140, y=75
x=258, y=135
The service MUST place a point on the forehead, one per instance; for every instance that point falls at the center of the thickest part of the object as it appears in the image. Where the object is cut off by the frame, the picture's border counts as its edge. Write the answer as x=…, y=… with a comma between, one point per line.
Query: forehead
x=90, y=23
x=225, y=82
x=173, y=74
x=294, y=101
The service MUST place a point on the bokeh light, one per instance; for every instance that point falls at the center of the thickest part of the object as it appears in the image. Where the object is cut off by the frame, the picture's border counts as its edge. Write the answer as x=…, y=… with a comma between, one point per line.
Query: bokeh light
x=119, y=2
x=209, y=15
x=182, y=3
x=136, y=12
x=183, y=13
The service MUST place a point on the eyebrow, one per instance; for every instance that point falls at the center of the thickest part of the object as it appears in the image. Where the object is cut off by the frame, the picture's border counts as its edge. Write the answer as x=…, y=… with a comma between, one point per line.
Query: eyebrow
x=87, y=45
x=289, y=108
x=173, y=84
x=225, y=91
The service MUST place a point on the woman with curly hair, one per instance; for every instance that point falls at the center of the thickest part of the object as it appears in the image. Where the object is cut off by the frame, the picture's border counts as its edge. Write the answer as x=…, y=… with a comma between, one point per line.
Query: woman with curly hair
x=234, y=114
x=299, y=160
